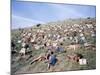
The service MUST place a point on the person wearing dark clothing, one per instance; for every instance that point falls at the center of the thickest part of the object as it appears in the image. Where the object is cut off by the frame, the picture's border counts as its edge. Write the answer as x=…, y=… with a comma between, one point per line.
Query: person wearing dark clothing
x=60, y=49
x=27, y=46
x=13, y=45
x=52, y=60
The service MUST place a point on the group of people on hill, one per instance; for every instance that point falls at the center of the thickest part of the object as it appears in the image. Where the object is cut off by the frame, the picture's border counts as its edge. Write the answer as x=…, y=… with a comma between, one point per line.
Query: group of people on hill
x=54, y=38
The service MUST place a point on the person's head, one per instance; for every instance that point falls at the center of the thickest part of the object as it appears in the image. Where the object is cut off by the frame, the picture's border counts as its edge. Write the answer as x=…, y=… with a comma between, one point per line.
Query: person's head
x=52, y=52
x=61, y=44
x=72, y=43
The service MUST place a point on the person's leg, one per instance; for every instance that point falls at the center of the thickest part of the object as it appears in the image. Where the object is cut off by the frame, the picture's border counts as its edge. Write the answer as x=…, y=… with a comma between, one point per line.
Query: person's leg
x=36, y=59
x=74, y=47
x=48, y=67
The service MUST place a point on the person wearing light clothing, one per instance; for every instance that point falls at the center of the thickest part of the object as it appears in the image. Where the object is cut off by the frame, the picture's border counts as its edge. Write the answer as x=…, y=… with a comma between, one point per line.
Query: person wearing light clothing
x=22, y=52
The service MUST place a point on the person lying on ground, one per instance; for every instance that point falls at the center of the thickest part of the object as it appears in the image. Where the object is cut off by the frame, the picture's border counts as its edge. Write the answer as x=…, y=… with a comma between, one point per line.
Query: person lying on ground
x=41, y=57
x=75, y=57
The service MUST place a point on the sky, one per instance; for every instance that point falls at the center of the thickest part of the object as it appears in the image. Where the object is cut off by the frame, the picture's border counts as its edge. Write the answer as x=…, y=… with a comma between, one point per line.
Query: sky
x=26, y=14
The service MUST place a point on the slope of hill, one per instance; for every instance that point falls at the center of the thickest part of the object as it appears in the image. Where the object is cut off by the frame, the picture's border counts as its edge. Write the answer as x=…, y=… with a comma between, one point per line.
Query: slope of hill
x=65, y=30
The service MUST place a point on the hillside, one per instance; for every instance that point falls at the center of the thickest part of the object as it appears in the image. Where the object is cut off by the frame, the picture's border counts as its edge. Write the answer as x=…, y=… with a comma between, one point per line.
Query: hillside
x=60, y=33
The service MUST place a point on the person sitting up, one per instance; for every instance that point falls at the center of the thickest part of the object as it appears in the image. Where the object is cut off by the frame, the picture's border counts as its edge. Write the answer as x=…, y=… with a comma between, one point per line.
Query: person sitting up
x=52, y=60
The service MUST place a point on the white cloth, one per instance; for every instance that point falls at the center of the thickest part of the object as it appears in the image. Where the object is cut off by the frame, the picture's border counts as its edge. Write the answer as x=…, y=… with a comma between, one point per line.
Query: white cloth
x=81, y=34
x=80, y=30
x=85, y=44
x=19, y=41
x=83, y=38
x=32, y=40
x=76, y=39
x=37, y=47
x=22, y=51
x=23, y=44
x=89, y=25
x=29, y=34
x=71, y=38
x=92, y=34
x=54, y=44
x=49, y=35
x=82, y=61
x=58, y=36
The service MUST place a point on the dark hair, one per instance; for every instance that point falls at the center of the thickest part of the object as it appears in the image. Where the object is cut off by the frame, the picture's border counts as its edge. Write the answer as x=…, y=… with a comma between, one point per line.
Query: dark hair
x=52, y=52
x=61, y=44
x=79, y=55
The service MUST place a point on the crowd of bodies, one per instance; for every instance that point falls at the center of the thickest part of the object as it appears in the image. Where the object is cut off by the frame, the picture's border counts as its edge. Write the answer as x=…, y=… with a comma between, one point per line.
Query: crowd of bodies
x=57, y=38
